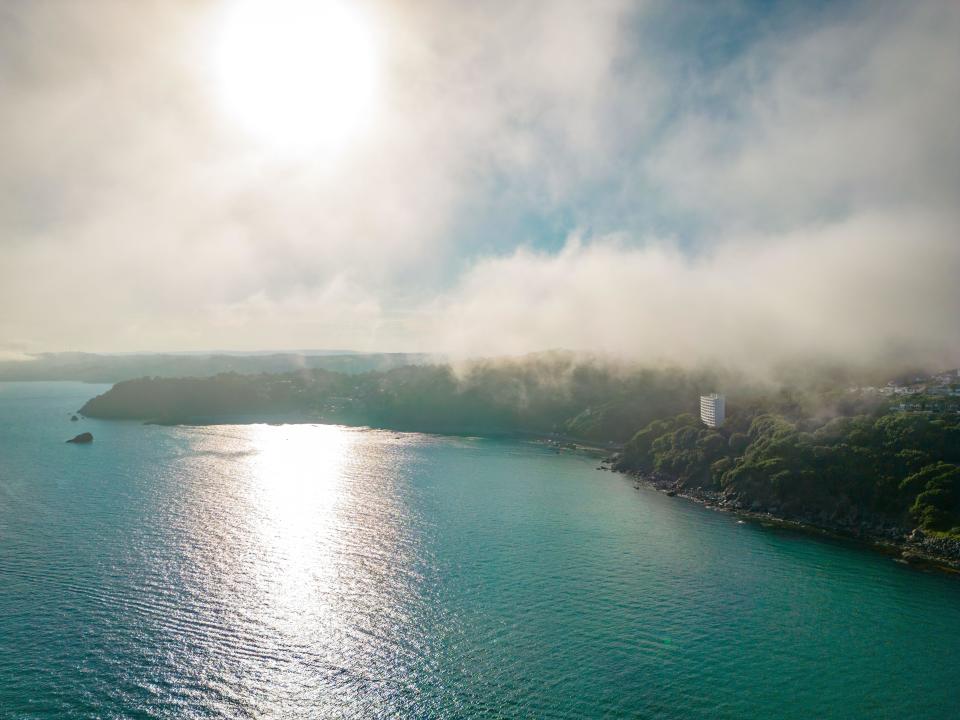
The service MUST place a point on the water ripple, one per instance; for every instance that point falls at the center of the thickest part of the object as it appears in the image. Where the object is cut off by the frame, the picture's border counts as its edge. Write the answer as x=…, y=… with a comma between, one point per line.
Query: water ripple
x=316, y=571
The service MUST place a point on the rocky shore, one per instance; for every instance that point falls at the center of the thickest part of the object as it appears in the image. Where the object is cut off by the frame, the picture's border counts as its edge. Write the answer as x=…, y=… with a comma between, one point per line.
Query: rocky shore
x=908, y=546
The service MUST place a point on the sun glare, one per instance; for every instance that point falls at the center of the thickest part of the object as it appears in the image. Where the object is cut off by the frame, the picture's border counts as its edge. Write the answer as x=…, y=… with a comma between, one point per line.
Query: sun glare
x=297, y=74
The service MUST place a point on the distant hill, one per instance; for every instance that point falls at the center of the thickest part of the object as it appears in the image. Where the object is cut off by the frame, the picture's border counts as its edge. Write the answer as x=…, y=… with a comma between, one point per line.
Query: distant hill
x=554, y=392
x=94, y=367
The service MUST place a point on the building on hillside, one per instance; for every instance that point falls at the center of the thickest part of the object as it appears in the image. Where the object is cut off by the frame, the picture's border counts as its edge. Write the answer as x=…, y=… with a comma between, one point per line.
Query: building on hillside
x=713, y=409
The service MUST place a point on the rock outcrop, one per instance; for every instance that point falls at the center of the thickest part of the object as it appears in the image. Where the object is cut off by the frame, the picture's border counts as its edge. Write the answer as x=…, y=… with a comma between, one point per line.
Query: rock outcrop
x=82, y=438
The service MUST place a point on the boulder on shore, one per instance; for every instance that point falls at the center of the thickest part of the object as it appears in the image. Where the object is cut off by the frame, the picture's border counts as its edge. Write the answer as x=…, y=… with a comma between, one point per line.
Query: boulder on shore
x=74, y=418
x=82, y=438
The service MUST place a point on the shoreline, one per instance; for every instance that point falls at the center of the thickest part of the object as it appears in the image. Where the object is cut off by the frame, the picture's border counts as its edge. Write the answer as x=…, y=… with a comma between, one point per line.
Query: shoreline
x=556, y=441
x=896, y=544
x=914, y=553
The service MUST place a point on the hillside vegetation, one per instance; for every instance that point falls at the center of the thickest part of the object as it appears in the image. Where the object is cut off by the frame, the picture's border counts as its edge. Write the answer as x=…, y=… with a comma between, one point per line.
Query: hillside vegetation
x=900, y=469
x=551, y=394
x=814, y=451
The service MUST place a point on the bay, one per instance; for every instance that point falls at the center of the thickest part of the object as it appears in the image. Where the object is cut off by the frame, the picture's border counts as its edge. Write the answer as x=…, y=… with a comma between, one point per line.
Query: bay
x=307, y=571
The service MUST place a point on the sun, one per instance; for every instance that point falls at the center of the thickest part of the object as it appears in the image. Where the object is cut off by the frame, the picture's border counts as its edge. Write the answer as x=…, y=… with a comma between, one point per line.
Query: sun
x=297, y=74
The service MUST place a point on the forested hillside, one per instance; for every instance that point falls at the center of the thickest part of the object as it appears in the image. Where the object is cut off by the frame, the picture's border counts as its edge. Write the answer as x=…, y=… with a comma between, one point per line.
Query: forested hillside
x=890, y=468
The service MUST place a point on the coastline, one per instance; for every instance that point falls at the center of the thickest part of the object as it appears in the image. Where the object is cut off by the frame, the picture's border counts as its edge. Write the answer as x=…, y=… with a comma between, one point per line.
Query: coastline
x=555, y=440
x=914, y=548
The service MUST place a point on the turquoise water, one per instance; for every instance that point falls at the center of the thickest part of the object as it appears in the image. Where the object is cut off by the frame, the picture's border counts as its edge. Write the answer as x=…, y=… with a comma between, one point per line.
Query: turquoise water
x=324, y=572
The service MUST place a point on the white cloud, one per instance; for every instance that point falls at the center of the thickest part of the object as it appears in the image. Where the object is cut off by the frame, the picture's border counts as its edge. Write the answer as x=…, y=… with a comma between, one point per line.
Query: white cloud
x=855, y=114
x=875, y=287
x=822, y=165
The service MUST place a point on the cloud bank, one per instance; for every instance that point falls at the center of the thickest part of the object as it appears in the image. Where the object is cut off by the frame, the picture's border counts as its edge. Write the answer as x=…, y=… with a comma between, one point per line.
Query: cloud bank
x=872, y=288
x=741, y=182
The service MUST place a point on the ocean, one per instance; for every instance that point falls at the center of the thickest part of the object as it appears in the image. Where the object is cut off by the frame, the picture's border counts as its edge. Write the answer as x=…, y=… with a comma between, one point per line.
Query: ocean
x=317, y=571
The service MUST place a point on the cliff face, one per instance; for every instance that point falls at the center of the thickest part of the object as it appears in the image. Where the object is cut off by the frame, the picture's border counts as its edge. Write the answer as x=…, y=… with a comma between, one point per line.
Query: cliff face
x=880, y=475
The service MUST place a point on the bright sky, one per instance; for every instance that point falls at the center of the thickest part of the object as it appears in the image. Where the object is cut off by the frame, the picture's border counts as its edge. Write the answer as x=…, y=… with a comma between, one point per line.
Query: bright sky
x=659, y=179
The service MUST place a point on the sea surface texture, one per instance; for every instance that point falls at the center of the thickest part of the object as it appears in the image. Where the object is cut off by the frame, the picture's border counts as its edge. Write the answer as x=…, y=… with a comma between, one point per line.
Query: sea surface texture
x=309, y=571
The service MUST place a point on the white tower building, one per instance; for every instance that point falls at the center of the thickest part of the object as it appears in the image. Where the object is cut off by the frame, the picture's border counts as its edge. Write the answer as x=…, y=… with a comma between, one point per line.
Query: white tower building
x=713, y=409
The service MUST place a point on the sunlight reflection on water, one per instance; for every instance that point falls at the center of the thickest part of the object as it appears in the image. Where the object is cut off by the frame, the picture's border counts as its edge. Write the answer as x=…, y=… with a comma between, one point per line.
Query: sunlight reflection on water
x=309, y=539
x=295, y=487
